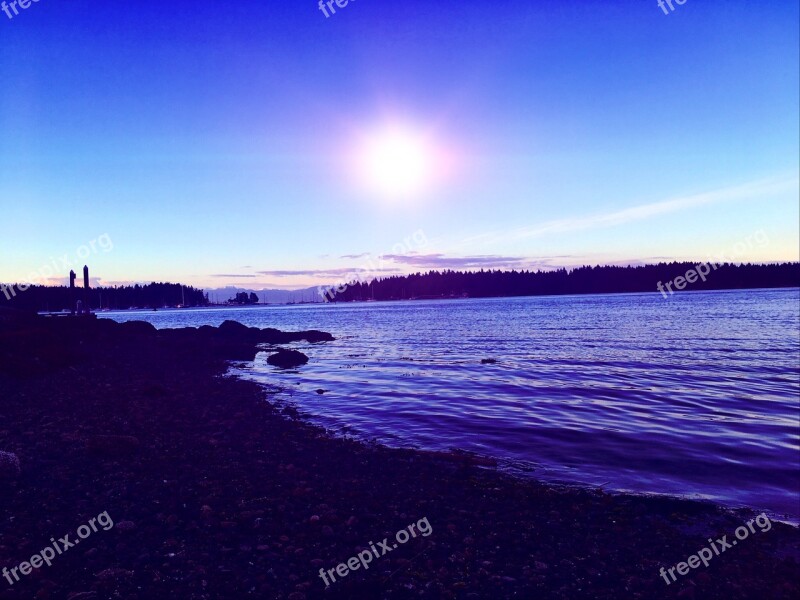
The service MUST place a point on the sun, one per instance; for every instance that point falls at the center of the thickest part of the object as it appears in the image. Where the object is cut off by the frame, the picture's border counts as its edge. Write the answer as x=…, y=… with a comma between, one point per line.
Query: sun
x=395, y=162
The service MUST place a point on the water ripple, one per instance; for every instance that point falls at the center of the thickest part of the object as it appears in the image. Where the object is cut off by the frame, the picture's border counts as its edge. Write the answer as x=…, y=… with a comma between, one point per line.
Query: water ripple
x=693, y=396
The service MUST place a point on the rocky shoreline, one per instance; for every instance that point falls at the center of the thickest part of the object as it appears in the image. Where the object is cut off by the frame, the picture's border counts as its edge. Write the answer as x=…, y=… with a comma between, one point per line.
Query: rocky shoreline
x=215, y=493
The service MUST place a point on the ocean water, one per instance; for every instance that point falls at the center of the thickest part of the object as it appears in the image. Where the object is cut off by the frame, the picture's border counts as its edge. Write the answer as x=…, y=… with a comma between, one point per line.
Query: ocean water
x=696, y=396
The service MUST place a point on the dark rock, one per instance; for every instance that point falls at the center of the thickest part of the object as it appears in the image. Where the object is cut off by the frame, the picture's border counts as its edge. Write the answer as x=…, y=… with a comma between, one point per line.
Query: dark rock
x=137, y=328
x=287, y=359
x=14, y=315
x=234, y=328
x=313, y=336
x=9, y=465
x=113, y=574
x=113, y=445
x=231, y=330
x=126, y=526
x=216, y=442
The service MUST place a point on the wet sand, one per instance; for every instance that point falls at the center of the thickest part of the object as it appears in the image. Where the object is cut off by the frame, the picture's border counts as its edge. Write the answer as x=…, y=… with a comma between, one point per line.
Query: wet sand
x=215, y=493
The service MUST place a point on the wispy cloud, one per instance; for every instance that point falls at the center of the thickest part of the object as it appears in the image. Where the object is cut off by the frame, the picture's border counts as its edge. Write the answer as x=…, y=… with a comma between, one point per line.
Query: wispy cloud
x=231, y=275
x=355, y=256
x=750, y=190
x=440, y=261
x=123, y=282
x=323, y=272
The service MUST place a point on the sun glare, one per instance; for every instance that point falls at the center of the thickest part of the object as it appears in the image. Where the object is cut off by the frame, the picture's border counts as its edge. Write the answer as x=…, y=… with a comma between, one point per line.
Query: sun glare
x=396, y=163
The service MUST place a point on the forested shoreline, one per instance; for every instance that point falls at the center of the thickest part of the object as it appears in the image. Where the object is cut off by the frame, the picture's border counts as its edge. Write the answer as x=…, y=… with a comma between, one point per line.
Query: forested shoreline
x=582, y=280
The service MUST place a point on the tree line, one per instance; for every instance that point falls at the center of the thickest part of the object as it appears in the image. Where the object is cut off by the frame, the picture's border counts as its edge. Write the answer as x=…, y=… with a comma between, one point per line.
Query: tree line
x=244, y=299
x=151, y=295
x=581, y=280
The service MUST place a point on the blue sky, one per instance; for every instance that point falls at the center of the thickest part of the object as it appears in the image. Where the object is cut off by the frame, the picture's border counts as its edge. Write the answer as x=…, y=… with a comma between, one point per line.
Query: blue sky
x=211, y=141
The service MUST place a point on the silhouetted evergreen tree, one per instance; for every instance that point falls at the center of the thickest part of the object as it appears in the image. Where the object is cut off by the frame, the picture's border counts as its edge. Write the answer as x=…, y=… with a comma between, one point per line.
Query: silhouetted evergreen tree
x=243, y=298
x=152, y=295
x=581, y=280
